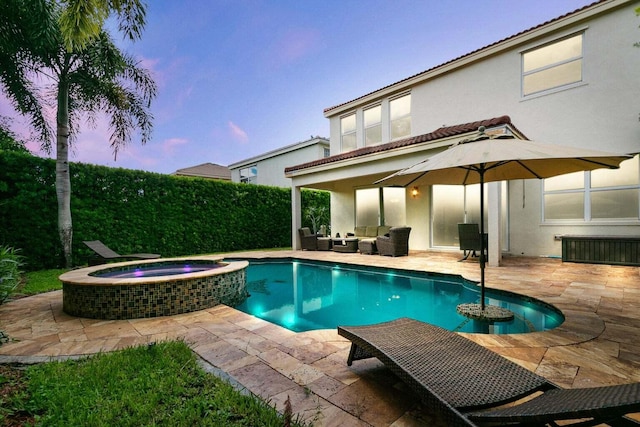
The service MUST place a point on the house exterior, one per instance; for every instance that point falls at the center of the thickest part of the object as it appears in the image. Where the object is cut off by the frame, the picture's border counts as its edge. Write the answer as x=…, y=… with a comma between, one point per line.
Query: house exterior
x=572, y=81
x=267, y=168
x=206, y=170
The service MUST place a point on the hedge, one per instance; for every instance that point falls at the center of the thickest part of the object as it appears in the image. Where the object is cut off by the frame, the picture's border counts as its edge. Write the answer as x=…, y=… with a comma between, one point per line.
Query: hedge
x=136, y=211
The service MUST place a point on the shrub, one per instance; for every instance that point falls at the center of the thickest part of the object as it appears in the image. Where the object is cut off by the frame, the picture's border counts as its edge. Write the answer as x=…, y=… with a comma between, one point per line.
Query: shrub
x=10, y=263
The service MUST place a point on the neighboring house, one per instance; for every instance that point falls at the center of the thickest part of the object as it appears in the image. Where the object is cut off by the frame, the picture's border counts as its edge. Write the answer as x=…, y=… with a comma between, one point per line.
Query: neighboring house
x=572, y=81
x=206, y=170
x=267, y=168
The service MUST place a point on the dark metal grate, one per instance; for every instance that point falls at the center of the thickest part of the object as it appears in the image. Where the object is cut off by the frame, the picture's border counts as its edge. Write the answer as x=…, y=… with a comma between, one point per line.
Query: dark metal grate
x=614, y=250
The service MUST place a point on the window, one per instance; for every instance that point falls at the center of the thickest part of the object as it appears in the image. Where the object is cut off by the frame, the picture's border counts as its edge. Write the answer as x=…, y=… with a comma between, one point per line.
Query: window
x=381, y=206
x=400, y=117
x=602, y=194
x=453, y=204
x=249, y=175
x=552, y=66
x=326, y=152
x=373, y=125
x=348, y=132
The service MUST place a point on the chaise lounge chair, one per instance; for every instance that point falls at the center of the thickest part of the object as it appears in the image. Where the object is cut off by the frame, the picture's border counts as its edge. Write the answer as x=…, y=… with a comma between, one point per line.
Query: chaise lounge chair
x=461, y=379
x=103, y=253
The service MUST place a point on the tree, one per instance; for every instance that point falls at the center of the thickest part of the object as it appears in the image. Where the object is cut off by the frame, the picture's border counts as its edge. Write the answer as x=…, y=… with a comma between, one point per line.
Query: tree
x=82, y=20
x=96, y=78
x=9, y=141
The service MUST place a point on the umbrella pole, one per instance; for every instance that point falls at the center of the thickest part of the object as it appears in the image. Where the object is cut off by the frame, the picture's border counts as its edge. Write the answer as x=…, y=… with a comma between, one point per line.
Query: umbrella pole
x=482, y=248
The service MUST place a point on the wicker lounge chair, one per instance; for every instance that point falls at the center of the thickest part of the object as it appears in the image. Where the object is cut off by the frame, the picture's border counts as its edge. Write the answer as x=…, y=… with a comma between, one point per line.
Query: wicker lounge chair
x=396, y=244
x=103, y=253
x=458, y=378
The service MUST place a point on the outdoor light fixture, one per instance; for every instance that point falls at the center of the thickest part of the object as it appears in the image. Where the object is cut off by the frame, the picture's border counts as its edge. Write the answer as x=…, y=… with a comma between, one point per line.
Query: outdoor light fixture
x=414, y=192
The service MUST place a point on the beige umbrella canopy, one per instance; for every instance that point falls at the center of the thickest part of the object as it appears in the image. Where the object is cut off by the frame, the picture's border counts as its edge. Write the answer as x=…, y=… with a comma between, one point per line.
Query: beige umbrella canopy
x=485, y=158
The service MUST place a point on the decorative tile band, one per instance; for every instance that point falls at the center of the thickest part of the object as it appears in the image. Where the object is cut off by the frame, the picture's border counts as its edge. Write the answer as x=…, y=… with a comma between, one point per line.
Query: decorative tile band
x=150, y=297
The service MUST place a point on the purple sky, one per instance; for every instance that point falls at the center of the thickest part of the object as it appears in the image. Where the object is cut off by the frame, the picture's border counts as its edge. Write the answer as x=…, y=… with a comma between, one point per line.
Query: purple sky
x=238, y=78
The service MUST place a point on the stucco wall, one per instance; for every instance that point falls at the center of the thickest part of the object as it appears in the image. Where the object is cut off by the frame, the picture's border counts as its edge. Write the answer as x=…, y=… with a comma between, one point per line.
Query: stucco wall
x=599, y=113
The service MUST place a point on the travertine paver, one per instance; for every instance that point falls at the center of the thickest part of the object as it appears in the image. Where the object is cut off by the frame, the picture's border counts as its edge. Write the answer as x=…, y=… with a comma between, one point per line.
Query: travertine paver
x=598, y=344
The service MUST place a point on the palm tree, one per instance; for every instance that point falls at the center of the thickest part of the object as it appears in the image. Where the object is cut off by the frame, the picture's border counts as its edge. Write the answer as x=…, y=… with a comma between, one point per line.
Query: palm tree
x=82, y=20
x=97, y=78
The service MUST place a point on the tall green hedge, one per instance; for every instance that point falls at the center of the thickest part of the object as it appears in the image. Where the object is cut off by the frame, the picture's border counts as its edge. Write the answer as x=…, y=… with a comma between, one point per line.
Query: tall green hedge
x=135, y=211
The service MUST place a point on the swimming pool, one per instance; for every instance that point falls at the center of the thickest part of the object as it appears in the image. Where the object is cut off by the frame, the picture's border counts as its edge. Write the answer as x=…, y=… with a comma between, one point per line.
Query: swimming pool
x=307, y=295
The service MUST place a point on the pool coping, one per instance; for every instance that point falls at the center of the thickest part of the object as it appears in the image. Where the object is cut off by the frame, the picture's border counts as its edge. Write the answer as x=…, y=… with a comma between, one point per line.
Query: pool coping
x=82, y=276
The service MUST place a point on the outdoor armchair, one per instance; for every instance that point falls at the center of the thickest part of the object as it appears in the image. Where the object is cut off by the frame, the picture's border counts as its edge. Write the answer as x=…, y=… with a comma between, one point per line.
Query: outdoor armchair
x=308, y=240
x=469, y=238
x=396, y=244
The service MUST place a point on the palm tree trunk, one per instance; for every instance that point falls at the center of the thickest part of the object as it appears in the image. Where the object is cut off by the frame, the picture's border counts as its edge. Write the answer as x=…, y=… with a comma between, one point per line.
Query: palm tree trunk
x=63, y=179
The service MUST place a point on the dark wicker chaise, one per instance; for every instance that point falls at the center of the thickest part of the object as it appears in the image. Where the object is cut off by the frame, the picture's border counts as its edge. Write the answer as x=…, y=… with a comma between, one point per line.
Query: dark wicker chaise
x=396, y=244
x=104, y=253
x=459, y=378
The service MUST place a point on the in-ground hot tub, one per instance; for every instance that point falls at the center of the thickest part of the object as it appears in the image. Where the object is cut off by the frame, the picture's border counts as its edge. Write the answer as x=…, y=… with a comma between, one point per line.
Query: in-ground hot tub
x=152, y=288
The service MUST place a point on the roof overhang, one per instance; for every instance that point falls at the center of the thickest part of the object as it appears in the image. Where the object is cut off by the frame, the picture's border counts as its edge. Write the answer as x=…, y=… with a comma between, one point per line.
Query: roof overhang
x=365, y=168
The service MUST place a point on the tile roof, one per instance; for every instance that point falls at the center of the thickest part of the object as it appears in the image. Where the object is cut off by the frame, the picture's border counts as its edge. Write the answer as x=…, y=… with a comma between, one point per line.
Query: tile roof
x=443, y=132
x=329, y=109
x=206, y=170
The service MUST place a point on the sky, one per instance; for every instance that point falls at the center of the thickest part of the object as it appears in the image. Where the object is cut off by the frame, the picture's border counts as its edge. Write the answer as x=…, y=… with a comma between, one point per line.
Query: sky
x=238, y=78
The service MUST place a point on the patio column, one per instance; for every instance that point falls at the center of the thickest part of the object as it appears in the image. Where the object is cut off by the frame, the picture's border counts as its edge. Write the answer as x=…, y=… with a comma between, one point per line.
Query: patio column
x=494, y=223
x=296, y=216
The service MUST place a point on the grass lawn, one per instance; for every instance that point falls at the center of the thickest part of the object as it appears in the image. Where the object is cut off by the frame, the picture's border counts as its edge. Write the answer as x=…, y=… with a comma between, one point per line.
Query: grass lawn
x=159, y=384
x=156, y=385
x=36, y=282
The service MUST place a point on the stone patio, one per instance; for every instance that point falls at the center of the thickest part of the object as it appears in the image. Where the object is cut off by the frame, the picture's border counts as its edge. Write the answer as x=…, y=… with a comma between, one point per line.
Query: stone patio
x=598, y=344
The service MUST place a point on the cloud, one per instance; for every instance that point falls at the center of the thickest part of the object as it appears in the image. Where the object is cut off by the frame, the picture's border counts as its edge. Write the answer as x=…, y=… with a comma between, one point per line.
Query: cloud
x=238, y=133
x=295, y=44
x=170, y=145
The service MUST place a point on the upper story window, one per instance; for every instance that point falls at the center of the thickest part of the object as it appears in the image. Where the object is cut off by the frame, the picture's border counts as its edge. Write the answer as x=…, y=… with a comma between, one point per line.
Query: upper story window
x=373, y=125
x=348, y=132
x=326, y=152
x=400, y=117
x=552, y=66
x=249, y=175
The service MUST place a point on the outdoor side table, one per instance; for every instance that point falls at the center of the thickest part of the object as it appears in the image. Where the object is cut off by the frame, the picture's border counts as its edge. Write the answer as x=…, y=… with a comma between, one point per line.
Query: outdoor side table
x=324, y=243
x=347, y=244
x=367, y=246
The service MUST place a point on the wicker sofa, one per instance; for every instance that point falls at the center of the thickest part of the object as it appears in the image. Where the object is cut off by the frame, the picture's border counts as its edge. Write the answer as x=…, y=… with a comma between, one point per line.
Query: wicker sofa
x=367, y=235
x=396, y=243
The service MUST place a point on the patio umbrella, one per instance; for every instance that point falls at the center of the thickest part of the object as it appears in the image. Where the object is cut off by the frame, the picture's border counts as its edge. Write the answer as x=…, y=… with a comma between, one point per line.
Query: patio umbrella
x=486, y=158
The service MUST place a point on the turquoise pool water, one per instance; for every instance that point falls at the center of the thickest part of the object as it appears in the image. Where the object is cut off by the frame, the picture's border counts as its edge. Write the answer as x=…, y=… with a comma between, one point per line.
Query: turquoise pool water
x=307, y=295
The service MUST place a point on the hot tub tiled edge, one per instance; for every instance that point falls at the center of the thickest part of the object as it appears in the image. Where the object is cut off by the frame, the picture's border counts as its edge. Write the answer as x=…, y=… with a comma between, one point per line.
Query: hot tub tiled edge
x=97, y=298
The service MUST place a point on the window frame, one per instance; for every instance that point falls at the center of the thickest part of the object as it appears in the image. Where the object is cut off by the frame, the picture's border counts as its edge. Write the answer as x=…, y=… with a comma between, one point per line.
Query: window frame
x=587, y=190
x=353, y=132
x=251, y=177
x=377, y=124
x=392, y=121
x=551, y=65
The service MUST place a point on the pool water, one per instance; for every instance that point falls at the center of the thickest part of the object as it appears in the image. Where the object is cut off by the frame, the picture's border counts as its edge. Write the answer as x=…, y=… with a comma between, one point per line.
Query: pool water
x=308, y=295
x=155, y=270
